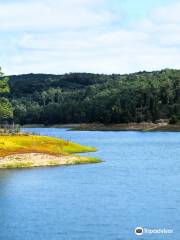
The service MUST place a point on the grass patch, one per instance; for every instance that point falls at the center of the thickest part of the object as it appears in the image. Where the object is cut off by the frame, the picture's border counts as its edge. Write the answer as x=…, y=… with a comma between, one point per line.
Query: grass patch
x=25, y=151
x=17, y=165
x=39, y=144
x=52, y=163
x=84, y=160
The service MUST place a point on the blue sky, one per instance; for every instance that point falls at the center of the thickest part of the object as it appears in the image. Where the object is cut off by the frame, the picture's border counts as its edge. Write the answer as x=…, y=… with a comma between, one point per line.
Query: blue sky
x=140, y=8
x=100, y=36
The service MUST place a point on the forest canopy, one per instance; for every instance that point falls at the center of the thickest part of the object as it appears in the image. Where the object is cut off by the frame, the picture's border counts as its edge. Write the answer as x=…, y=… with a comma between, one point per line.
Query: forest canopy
x=87, y=98
x=6, y=111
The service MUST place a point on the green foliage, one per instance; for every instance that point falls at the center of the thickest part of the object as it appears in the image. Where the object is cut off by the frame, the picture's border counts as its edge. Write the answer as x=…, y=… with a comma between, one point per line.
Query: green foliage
x=87, y=98
x=6, y=111
x=4, y=87
x=174, y=119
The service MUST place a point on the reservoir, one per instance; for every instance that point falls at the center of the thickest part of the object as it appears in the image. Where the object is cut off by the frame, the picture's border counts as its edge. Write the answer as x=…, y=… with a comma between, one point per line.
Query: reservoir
x=136, y=185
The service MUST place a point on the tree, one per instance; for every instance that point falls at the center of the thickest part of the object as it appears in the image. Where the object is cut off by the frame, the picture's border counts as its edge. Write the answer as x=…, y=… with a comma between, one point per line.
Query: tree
x=6, y=111
x=83, y=97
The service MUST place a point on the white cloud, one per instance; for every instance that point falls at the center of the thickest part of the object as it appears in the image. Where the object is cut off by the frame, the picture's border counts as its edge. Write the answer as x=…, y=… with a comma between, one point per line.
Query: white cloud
x=73, y=36
x=168, y=14
x=44, y=15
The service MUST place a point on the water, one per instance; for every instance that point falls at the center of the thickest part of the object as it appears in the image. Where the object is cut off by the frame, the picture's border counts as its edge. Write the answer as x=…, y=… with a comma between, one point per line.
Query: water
x=137, y=185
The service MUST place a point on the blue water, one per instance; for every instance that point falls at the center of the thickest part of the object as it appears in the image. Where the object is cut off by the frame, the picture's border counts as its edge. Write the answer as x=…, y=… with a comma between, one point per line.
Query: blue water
x=137, y=185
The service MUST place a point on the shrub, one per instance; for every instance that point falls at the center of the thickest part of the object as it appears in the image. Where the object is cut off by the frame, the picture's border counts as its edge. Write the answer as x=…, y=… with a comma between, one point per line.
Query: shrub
x=174, y=119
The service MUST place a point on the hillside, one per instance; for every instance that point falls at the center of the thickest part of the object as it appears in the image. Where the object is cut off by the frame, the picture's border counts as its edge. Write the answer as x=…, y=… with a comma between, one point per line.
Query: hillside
x=87, y=98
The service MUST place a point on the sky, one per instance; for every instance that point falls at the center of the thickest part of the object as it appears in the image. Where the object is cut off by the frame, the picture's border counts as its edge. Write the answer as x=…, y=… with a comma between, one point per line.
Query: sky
x=98, y=36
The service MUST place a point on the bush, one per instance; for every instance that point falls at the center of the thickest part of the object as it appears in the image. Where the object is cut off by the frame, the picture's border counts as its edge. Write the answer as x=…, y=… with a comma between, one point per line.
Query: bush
x=174, y=119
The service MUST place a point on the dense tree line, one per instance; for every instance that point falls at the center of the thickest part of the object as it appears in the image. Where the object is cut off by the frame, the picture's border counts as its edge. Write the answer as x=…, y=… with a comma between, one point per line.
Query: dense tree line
x=6, y=111
x=86, y=98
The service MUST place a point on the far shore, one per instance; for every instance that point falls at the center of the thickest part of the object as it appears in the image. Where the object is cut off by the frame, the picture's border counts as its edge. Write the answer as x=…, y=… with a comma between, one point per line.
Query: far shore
x=145, y=126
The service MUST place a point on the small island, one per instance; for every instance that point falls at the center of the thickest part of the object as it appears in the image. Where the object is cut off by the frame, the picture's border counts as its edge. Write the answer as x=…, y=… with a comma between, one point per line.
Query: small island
x=26, y=151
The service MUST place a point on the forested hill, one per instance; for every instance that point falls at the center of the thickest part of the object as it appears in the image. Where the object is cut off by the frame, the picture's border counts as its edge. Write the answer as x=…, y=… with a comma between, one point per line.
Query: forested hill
x=29, y=83
x=84, y=97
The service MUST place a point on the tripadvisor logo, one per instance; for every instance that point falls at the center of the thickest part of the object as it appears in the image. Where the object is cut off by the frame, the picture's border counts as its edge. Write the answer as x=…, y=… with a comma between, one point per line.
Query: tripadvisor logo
x=139, y=231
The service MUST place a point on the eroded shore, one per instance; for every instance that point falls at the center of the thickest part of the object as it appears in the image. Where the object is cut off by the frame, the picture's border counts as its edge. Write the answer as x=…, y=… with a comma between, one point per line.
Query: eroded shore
x=115, y=127
x=146, y=127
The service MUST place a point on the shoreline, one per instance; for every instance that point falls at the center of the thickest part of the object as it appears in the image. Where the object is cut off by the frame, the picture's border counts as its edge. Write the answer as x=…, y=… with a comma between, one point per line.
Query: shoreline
x=143, y=127
x=31, y=160
x=28, y=151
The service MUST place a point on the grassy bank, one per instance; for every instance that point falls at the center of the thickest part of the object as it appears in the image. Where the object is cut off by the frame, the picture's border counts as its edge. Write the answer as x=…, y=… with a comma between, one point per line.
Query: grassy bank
x=32, y=151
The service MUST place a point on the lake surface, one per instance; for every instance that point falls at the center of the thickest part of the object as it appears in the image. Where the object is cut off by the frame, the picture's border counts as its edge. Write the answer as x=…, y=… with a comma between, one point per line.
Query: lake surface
x=137, y=185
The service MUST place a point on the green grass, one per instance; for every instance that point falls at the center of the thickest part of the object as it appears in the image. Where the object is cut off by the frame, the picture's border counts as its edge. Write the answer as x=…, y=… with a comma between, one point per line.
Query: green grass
x=87, y=160
x=24, y=144
x=17, y=165
x=39, y=144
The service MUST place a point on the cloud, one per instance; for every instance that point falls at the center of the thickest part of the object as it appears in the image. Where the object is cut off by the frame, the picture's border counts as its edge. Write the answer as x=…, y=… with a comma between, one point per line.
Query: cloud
x=168, y=14
x=53, y=15
x=87, y=36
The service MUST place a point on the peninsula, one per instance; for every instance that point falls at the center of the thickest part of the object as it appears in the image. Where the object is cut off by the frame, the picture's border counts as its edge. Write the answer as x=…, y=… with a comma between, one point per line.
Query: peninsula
x=25, y=151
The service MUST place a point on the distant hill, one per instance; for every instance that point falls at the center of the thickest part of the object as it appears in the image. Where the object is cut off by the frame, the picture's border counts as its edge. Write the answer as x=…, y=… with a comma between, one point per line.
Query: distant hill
x=86, y=97
x=29, y=83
